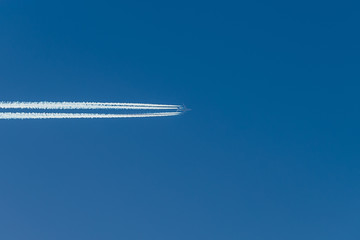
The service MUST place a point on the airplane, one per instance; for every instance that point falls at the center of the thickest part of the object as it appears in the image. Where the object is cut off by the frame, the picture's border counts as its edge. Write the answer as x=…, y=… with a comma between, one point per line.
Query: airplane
x=183, y=109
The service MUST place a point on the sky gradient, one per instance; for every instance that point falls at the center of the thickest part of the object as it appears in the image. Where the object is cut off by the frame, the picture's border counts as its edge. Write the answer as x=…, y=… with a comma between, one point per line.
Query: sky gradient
x=270, y=149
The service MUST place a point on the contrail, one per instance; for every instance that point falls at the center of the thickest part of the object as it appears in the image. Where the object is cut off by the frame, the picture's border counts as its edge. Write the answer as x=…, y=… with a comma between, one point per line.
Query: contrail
x=177, y=110
x=19, y=115
x=85, y=105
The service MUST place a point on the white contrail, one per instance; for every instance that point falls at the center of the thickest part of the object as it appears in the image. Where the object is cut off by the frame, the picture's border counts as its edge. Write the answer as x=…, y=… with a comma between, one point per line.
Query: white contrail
x=85, y=105
x=19, y=115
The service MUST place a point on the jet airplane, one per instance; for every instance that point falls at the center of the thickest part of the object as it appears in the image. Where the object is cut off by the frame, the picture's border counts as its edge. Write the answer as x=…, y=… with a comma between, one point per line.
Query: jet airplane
x=183, y=109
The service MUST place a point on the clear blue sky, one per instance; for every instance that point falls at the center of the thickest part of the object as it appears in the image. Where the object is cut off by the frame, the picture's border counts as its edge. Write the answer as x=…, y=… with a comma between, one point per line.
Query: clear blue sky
x=270, y=150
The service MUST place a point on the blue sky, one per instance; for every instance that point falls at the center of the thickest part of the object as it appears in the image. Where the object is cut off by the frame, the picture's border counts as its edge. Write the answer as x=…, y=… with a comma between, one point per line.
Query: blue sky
x=269, y=151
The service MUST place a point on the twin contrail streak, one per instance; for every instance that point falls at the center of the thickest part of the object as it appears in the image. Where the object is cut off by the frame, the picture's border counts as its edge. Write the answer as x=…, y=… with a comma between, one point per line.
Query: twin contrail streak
x=84, y=106
x=11, y=115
